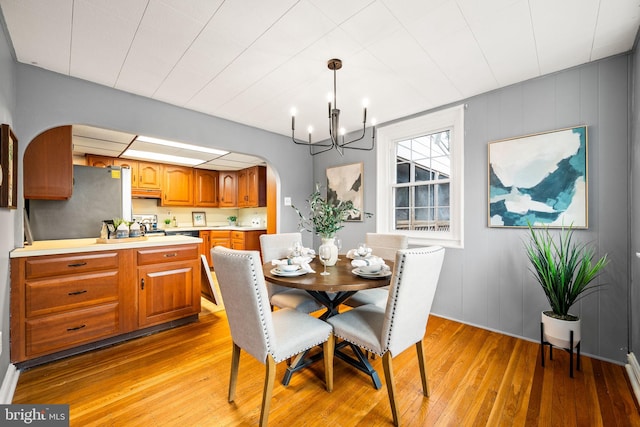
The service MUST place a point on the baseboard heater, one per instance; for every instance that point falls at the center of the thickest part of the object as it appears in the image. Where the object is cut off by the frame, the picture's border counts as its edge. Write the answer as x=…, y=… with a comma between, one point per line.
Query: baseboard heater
x=633, y=370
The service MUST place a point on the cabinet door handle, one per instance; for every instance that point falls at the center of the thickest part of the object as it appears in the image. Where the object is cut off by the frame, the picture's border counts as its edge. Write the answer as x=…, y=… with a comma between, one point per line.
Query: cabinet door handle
x=171, y=255
x=76, y=328
x=142, y=284
x=78, y=264
x=78, y=292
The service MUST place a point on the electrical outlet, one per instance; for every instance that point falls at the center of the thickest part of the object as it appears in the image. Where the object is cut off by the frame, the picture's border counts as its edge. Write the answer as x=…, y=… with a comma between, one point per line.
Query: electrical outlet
x=287, y=201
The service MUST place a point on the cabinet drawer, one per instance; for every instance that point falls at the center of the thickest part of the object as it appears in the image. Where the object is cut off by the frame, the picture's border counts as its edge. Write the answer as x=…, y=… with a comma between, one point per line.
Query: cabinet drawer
x=60, y=331
x=237, y=235
x=67, y=293
x=219, y=234
x=56, y=265
x=167, y=254
x=220, y=242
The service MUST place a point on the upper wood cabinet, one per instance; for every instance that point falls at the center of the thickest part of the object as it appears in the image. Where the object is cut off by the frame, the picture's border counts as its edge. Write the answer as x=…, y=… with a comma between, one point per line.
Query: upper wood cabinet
x=145, y=176
x=252, y=187
x=177, y=186
x=206, y=188
x=228, y=194
x=48, y=165
x=99, y=161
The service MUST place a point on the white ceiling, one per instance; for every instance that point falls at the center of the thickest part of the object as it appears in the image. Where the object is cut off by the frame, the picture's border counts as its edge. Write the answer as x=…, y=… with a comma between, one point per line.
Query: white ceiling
x=251, y=61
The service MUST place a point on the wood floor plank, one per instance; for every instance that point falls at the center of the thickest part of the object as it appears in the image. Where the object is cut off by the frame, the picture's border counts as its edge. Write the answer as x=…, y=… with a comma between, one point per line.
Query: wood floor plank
x=180, y=378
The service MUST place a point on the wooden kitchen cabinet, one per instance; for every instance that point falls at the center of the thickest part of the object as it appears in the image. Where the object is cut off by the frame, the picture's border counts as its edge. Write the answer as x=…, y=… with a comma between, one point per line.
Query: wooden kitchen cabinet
x=177, y=186
x=252, y=187
x=246, y=240
x=205, y=246
x=48, y=165
x=168, y=283
x=228, y=194
x=206, y=188
x=67, y=303
x=146, y=177
x=99, y=161
x=63, y=301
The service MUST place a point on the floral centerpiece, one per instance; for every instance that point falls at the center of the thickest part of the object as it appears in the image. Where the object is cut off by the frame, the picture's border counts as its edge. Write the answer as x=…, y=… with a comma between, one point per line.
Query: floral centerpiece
x=325, y=218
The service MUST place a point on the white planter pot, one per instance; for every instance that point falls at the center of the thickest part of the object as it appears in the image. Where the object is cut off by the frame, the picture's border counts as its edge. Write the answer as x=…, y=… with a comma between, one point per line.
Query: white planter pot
x=330, y=241
x=558, y=332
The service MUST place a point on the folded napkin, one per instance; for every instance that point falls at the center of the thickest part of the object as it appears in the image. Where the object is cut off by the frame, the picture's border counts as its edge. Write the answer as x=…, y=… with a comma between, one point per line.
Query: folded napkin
x=355, y=254
x=302, y=261
x=370, y=260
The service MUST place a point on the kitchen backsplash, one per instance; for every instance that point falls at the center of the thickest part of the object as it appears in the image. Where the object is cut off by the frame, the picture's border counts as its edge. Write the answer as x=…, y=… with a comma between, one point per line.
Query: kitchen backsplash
x=246, y=216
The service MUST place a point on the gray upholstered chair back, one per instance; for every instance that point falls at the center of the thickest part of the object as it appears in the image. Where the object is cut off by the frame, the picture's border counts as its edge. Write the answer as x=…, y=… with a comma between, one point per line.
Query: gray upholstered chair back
x=386, y=245
x=413, y=287
x=276, y=246
x=245, y=299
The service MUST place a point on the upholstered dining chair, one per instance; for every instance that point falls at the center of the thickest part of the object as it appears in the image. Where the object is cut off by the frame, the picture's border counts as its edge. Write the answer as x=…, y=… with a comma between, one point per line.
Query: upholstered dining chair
x=389, y=331
x=277, y=246
x=385, y=246
x=270, y=337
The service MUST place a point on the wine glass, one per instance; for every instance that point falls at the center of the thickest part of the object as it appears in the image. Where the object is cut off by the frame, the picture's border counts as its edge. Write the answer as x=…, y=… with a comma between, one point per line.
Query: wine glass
x=324, y=252
x=338, y=243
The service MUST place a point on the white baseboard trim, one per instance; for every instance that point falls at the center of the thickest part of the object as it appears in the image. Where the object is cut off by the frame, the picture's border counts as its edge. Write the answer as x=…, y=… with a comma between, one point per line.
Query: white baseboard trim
x=9, y=384
x=633, y=371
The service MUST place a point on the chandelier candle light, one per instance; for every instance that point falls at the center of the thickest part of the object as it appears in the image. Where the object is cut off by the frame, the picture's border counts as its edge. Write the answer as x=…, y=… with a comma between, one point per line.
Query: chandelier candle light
x=335, y=131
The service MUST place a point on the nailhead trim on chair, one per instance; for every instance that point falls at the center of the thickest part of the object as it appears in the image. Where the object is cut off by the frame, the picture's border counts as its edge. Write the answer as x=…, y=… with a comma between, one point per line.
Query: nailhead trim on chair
x=262, y=317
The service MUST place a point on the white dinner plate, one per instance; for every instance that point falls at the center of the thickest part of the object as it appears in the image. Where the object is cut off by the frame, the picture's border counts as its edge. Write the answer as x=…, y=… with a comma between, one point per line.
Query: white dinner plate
x=380, y=274
x=277, y=272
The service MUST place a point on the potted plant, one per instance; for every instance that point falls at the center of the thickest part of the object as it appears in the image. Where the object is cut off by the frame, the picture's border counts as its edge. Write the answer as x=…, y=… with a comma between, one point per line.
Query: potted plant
x=325, y=219
x=232, y=219
x=565, y=271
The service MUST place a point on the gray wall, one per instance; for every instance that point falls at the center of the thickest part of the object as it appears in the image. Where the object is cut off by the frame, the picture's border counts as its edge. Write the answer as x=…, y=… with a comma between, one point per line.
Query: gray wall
x=47, y=100
x=488, y=283
x=634, y=185
x=8, y=217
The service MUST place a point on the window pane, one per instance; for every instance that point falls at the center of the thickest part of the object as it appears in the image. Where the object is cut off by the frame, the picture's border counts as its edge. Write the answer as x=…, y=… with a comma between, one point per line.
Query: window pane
x=402, y=197
x=402, y=172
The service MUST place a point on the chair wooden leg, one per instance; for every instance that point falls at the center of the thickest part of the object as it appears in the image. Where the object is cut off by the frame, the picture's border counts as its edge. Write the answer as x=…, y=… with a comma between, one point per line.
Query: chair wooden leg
x=233, y=379
x=328, y=348
x=391, y=388
x=423, y=369
x=269, y=380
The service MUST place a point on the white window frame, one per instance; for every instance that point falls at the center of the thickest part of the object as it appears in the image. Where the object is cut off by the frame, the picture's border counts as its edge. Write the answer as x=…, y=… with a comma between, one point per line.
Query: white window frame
x=387, y=136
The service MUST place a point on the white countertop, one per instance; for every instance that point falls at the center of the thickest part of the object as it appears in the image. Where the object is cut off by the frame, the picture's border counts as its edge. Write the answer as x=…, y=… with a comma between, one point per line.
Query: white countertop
x=67, y=246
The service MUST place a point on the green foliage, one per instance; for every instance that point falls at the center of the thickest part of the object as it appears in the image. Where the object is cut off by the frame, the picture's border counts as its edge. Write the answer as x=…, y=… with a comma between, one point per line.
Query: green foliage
x=232, y=218
x=564, y=269
x=325, y=218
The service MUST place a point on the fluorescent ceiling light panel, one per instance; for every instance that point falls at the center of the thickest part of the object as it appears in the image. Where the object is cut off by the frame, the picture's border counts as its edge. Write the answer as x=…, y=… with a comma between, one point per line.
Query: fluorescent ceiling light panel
x=168, y=143
x=166, y=158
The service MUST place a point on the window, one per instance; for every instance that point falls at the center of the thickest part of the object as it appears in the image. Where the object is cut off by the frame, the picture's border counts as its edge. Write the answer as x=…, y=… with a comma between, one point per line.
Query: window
x=420, y=172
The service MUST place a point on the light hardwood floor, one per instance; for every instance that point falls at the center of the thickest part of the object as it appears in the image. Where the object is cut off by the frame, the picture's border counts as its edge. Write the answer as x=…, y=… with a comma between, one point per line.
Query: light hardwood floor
x=180, y=378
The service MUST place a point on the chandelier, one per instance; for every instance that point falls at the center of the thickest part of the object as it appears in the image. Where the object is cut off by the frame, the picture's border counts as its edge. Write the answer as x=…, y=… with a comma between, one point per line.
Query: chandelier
x=336, y=133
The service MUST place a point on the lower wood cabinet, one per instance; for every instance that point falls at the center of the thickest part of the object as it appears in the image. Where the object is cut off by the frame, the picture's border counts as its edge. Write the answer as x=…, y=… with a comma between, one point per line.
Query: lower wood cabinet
x=166, y=279
x=62, y=302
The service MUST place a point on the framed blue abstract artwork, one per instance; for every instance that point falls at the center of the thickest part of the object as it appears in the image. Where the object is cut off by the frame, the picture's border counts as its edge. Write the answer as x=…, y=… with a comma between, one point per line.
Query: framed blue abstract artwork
x=539, y=179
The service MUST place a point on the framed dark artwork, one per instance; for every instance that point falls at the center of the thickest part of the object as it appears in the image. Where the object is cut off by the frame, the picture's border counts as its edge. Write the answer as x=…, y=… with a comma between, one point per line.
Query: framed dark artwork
x=345, y=183
x=539, y=179
x=8, y=168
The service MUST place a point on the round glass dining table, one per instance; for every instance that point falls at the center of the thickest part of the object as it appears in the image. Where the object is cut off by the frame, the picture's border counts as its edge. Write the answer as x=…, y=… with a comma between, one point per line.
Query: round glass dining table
x=330, y=291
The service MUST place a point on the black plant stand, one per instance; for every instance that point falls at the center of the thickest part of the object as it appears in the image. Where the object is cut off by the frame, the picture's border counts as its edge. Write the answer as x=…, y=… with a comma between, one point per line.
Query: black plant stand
x=569, y=350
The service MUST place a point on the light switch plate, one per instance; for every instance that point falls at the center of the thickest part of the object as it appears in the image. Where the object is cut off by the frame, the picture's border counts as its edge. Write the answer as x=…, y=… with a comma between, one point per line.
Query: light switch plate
x=287, y=201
